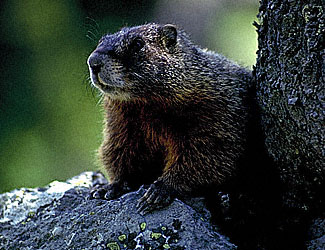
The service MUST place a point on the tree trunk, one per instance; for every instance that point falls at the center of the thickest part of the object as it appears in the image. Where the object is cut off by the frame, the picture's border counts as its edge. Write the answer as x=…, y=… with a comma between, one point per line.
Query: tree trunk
x=290, y=74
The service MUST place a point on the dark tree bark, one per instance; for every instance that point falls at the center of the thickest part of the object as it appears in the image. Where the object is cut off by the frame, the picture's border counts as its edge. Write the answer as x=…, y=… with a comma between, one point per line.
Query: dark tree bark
x=290, y=74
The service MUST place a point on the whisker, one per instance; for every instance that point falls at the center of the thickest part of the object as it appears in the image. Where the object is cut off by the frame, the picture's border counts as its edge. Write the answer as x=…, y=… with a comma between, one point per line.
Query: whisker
x=90, y=38
x=100, y=100
x=93, y=29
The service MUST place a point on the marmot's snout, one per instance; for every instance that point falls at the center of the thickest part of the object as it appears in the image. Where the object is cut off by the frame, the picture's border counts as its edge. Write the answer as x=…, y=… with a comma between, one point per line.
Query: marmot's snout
x=104, y=72
x=95, y=62
x=96, y=58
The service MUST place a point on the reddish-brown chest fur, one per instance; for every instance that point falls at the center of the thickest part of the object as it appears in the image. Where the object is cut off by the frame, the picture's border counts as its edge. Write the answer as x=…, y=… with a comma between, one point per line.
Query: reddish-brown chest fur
x=190, y=143
x=149, y=133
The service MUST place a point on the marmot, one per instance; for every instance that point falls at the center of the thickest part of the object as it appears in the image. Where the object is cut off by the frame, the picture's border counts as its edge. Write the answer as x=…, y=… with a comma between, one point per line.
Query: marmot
x=176, y=114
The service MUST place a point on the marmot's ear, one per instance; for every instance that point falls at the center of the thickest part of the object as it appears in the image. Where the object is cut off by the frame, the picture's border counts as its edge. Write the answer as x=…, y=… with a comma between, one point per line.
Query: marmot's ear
x=169, y=35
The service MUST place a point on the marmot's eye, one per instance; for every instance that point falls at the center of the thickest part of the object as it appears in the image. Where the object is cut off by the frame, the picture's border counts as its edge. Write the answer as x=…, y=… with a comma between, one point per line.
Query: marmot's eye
x=136, y=45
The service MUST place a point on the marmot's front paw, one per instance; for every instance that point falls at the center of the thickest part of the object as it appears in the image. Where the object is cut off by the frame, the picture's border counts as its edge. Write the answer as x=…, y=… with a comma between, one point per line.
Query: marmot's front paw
x=109, y=191
x=157, y=196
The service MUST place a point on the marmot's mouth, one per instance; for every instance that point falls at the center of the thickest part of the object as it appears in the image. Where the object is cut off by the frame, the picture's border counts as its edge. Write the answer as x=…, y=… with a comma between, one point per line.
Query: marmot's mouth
x=103, y=86
x=101, y=81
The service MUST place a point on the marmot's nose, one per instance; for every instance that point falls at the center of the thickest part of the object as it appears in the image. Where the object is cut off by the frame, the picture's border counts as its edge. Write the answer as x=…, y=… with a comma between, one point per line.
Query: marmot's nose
x=95, y=62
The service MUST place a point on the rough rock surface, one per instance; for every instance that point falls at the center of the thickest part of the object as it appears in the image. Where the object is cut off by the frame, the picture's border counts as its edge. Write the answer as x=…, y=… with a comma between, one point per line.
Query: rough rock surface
x=60, y=216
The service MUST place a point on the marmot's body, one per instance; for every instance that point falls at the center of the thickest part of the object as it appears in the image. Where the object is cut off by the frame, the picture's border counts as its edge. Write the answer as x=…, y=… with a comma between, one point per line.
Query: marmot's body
x=176, y=115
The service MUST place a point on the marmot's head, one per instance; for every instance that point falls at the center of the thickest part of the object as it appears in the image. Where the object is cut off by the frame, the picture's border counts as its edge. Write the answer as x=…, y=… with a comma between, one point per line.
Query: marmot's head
x=140, y=62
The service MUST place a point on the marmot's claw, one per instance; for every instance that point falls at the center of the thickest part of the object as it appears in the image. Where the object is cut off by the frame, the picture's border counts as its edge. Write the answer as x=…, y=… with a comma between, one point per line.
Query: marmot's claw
x=98, y=192
x=157, y=196
x=109, y=191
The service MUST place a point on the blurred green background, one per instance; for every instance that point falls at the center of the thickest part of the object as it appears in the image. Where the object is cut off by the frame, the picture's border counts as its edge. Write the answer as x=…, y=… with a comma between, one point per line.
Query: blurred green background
x=50, y=119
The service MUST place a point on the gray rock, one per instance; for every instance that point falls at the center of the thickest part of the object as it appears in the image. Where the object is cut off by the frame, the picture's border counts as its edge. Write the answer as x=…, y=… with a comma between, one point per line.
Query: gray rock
x=17, y=205
x=60, y=216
